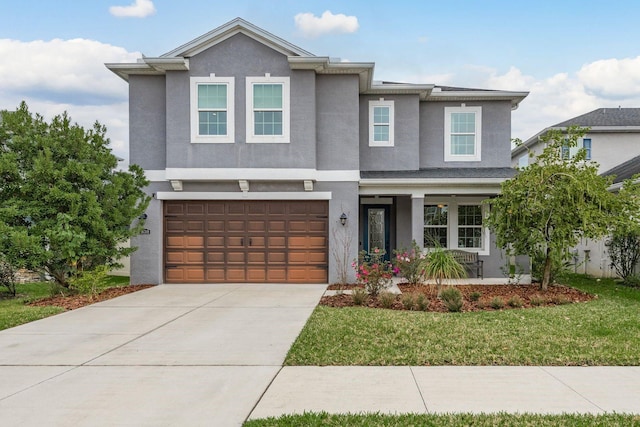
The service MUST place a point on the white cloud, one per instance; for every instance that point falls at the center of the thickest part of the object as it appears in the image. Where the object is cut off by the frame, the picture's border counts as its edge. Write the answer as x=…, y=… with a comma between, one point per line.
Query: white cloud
x=138, y=9
x=68, y=75
x=313, y=26
x=612, y=78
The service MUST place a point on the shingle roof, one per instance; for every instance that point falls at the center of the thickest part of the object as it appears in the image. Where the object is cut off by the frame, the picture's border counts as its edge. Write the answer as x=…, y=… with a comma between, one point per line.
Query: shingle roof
x=605, y=117
x=441, y=173
x=624, y=170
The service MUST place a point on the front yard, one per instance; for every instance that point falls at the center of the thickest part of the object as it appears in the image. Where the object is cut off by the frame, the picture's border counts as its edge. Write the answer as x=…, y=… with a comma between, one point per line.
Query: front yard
x=605, y=331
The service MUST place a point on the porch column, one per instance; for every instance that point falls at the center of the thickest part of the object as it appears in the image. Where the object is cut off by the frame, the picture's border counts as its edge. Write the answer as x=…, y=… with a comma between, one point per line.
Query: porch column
x=417, y=219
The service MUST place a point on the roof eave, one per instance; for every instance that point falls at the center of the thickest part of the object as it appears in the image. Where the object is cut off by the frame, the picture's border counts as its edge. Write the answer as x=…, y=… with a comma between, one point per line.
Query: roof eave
x=148, y=67
x=494, y=95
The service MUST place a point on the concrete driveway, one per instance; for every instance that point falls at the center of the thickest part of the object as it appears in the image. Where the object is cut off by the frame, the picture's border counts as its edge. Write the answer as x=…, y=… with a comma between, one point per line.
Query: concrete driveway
x=165, y=356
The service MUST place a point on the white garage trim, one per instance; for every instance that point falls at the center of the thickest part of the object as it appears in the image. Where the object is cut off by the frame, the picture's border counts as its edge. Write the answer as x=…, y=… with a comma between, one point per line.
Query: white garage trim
x=282, y=195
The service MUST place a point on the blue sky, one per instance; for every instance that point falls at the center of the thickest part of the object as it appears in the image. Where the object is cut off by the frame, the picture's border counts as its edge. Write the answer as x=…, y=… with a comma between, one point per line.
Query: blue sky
x=573, y=56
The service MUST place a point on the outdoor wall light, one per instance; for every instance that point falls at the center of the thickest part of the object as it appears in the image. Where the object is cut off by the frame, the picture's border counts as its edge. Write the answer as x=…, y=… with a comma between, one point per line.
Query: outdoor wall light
x=343, y=219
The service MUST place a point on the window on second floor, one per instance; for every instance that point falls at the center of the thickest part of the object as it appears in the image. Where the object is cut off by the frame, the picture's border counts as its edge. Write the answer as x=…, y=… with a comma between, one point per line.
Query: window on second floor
x=268, y=109
x=523, y=161
x=569, y=152
x=212, y=113
x=381, y=123
x=462, y=134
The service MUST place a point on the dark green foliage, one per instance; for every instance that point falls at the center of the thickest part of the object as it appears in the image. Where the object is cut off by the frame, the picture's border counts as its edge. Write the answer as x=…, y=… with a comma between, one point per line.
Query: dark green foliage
x=63, y=205
x=552, y=203
x=7, y=277
x=624, y=251
x=452, y=298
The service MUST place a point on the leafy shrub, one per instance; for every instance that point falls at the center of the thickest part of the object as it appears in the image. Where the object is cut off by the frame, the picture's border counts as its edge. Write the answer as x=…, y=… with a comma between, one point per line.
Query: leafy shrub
x=8, y=277
x=624, y=252
x=410, y=264
x=90, y=282
x=475, y=296
x=422, y=302
x=441, y=265
x=408, y=301
x=359, y=296
x=373, y=271
x=497, y=303
x=632, y=280
x=452, y=298
x=537, y=300
x=481, y=304
x=386, y=299
x=560, y=300
x=515, y=301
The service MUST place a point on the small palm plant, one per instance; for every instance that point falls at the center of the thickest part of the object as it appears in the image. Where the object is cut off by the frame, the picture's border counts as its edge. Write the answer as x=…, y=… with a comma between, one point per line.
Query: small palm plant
x=441, y=265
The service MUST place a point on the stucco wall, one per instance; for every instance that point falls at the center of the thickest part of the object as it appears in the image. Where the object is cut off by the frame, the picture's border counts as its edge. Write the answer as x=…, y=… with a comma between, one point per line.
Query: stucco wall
x=147, y=121
x=496, y=135
x=337, y=122
x=402, y=156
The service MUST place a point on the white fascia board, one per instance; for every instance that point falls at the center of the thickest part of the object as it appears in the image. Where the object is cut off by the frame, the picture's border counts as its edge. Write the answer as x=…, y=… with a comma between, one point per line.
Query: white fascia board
x=420, y=192
x=168, y=64
x=255, y=174
x=279, y=195
x=124, y=70
x=431, y=181
x=514, y=97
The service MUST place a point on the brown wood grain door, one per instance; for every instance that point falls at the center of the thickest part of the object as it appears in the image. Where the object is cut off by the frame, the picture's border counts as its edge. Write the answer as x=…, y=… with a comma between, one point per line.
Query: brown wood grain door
x=246, y=241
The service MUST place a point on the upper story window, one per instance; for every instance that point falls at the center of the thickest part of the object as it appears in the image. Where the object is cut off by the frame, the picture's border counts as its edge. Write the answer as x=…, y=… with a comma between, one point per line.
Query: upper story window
x=268, y=109
x=569, y=152
x=523, y=161
x=381, y=123
x=462, y=134
x=212, y=113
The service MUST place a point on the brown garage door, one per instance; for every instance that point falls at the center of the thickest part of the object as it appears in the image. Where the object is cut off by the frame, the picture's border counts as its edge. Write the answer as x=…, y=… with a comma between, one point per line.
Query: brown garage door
x=246, y=241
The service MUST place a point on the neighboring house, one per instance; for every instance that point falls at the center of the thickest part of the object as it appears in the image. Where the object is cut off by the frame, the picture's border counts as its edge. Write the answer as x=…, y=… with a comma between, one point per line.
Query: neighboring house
x=613, y=141
x=269, y=164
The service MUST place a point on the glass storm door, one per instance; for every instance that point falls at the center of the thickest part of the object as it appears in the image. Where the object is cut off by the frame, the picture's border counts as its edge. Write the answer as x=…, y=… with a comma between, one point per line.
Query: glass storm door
x=376, y=228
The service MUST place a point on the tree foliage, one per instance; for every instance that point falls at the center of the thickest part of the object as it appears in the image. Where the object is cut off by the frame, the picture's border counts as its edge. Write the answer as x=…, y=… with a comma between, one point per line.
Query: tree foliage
x=552, y=203
x=64, y=207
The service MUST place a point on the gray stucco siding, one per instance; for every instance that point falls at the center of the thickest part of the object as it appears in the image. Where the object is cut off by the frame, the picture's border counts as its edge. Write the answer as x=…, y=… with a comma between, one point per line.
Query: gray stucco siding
x=147, y=118
x=496, y=135
x=337, y=122
x=402, y=156
x=239, y=57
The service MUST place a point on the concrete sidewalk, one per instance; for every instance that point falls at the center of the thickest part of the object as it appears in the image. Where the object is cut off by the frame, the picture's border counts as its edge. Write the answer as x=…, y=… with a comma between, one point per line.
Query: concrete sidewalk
x=441, y=389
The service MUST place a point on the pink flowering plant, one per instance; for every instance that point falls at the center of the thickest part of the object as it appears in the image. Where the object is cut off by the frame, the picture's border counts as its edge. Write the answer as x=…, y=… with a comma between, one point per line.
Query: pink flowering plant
x=410, y=263
x=373, y=271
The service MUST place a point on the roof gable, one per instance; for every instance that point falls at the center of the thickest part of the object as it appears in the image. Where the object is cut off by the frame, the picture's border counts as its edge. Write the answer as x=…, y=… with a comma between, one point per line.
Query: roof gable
x=605, y=117
x=230, y=29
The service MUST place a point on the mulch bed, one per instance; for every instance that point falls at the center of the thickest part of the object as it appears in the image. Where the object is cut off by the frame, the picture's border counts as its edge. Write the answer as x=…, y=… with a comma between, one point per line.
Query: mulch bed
x=71, y=302
x=523, y=294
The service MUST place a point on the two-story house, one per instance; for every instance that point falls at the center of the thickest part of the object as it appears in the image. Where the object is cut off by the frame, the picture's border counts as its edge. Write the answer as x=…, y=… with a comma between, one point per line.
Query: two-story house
x=267, y=162
x=613, y=141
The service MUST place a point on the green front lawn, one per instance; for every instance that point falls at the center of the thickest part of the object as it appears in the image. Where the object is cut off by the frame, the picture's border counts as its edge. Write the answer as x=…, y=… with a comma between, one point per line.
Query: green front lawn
x=605, y=331
x=14, y=311
x=458, y=420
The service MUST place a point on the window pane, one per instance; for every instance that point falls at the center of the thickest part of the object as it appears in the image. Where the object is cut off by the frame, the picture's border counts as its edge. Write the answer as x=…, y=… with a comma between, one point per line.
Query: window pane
x=212, y=96
x=435, y=237
x=463, y=144
x=381, y=133
x=381, y=115
x=586, y=144
x=469, y=237
x=435, y=214
x=470, y=215
x=267, y=96
x=212, y=122
x=267, y=122
x=463, y=122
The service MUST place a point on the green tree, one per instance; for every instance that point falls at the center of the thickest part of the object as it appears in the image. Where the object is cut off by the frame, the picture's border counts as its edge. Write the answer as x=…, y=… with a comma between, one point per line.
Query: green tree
x=64, y=207
x=550, y=204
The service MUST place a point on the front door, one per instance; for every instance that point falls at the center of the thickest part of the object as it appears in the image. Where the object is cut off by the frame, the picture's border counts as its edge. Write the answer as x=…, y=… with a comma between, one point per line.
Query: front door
x=376, y=228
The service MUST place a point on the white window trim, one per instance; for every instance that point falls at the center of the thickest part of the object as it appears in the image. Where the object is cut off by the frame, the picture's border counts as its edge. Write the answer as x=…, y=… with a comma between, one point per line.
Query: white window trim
x=286, y=110
x=381, y=103
x=229, y=138
x=452, y=223
x=476, y=157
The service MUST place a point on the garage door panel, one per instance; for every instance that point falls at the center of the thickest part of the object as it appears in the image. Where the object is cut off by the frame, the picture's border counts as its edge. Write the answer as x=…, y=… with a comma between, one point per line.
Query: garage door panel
x=246, y=241
x=275, y=226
